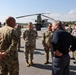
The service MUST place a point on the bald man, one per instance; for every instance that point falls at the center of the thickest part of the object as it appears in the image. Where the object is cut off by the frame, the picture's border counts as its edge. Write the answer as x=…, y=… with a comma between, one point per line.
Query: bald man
x=8, y=48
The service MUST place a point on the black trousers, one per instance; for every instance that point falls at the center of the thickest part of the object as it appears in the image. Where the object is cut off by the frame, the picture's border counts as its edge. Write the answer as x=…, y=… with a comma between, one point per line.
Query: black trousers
x=60, y=65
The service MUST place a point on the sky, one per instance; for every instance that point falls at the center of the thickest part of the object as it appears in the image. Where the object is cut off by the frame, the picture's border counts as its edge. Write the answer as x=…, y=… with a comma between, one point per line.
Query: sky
x=64, y=10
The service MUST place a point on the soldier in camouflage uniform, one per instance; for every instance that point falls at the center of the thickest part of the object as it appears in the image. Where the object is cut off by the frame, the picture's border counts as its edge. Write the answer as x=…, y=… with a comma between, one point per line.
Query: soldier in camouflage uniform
x=74, y=34
x=69, y=29
x=0, y=25
x=18, y=29
x=63, y=25
x=46, y=41
x=29, y=37
x=8, y=49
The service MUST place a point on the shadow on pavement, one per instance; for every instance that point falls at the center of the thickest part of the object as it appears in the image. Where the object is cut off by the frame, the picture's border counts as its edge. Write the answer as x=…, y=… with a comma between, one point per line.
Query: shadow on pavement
x=39, y=49
x=22, y=47
x=20, y=51
x=48, y=67
x=39, y=37
x=37, y=52
x=41, y=66
x=42, y=49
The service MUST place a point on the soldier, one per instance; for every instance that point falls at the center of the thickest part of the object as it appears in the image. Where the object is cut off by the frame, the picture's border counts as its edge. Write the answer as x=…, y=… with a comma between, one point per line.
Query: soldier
x=8, y=48
x=18, y=29
x=0, y=25
x=46, y=41
x=63, y=25
x=69, y=29
x=74, y=34
x=29, y=36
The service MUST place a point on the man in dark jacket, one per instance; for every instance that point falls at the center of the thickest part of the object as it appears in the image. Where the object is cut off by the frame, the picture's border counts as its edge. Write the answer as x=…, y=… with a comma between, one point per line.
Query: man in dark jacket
x=61, y=43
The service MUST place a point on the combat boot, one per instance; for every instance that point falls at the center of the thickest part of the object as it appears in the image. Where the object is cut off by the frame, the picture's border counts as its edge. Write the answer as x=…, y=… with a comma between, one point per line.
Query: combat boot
x=27, y=63
x=47, y=58
x=31, y=62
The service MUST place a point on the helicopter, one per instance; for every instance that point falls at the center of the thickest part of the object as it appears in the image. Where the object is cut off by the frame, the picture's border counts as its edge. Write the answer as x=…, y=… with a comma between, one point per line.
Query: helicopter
x=39, y=22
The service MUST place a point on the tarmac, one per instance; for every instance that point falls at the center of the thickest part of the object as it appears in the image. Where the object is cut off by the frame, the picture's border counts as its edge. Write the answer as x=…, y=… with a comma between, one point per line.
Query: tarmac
x=39, y=58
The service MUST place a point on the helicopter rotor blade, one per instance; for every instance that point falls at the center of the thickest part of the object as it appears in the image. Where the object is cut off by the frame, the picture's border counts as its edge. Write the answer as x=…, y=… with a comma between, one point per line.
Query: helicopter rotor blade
x=49, y=17
x=31, y=15
x=25, y=16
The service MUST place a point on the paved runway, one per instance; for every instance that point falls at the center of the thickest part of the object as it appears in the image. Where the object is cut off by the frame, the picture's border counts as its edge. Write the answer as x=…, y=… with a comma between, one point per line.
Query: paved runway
x=39, y=58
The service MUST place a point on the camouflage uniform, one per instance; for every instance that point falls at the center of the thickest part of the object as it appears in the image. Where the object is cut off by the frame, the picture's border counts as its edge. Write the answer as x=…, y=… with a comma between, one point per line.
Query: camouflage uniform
x=19, y=38
x=8, y=44
x=30, y=43
x=69, y=29
x=36, y=36
x=0, y=25
x=74, y=53
x=46, y=41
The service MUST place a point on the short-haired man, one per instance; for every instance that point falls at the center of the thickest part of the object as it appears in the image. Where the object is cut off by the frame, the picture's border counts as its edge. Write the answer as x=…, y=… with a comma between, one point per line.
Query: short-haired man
x=29, y=37
x=61, y=43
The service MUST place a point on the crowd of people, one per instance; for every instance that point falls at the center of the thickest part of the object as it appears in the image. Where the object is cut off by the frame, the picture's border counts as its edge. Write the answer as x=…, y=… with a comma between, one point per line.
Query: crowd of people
x=56, y=39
